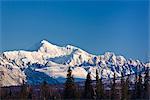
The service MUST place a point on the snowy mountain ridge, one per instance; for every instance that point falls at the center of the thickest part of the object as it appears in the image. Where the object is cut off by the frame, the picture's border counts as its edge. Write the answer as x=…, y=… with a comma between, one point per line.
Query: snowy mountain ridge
x=50, y=62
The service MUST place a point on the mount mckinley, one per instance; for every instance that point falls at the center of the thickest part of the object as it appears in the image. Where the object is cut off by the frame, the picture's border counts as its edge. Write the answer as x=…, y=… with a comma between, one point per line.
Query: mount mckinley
x=51, y=62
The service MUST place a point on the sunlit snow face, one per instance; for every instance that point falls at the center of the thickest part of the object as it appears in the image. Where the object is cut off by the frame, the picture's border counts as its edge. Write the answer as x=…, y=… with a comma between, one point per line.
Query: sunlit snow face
x=52, y=61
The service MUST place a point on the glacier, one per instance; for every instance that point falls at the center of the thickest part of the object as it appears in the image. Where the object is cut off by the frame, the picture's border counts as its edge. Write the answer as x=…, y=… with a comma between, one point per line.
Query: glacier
x=50, y=62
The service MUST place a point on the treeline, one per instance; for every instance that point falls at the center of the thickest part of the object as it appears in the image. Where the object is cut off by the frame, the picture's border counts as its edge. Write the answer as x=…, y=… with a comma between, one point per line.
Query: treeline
x=124, y=90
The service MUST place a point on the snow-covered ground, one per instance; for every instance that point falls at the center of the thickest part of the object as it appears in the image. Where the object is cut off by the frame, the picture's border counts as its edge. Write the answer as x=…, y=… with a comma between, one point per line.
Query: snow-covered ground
x=50, y=62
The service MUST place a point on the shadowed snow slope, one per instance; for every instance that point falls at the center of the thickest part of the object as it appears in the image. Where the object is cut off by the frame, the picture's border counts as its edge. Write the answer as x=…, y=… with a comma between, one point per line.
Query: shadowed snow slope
x=50, y=62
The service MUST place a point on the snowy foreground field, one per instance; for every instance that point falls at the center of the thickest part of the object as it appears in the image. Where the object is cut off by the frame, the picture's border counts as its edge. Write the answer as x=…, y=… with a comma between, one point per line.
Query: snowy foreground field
x=50, y=63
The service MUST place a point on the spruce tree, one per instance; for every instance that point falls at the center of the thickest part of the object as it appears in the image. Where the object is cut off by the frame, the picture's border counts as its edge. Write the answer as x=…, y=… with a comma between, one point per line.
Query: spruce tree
x=125, y=88
x=23, y=92
x=113, y=88
x=99, y=87
x=122, y=87
x=134, y=96
x=10, y=93
x=30, y=92
x=70, y=88
x=146, y=85
x=88, y=90
x=139, y=87
x=44, y=91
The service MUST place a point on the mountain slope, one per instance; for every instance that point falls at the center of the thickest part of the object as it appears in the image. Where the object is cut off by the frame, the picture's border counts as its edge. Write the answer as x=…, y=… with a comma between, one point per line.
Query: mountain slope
x=50, y=62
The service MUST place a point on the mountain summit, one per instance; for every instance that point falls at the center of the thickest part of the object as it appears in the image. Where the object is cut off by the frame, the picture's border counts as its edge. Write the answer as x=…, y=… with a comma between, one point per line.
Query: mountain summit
x=50, y=62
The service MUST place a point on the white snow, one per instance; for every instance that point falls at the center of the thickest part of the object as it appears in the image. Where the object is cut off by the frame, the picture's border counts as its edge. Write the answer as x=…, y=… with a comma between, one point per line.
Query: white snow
x=53, y=61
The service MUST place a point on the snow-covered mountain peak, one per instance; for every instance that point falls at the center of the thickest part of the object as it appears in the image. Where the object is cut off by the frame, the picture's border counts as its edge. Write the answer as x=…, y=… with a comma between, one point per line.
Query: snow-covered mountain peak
x=53, y=61
x=46, y=46
x=45, y=41
x=52, y=50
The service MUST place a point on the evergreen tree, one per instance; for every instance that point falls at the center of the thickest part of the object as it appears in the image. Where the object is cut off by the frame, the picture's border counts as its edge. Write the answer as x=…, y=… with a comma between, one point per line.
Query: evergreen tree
x=146, y=85
x=134, y=95
x=88, y=90
x=30, y=92
x=139, y=87
x=44, y=91
x=23, y=92
x=99, y=87
x=113, y=88
x=10, y=93
x=122, y=86
x=124, y=89
x=70, y=88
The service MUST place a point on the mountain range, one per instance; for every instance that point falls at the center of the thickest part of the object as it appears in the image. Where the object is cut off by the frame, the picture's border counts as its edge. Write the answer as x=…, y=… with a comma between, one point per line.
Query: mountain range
x=50, y=62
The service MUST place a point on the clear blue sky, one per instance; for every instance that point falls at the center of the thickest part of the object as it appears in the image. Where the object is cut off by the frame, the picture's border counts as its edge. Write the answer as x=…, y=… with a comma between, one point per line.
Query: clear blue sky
x=97, y=27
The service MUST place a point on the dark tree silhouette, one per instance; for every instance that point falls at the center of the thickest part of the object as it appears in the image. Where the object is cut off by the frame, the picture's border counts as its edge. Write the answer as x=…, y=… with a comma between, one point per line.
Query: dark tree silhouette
x=23, y=92
x=88, y=90
x=146, y=85
x=113, y=88
x=134, y=94
x=30, y=92
x=10, y=93
x=44, y=89
x=139, y=87
x=70, y=88
x=99, y=87
x=124, y=88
